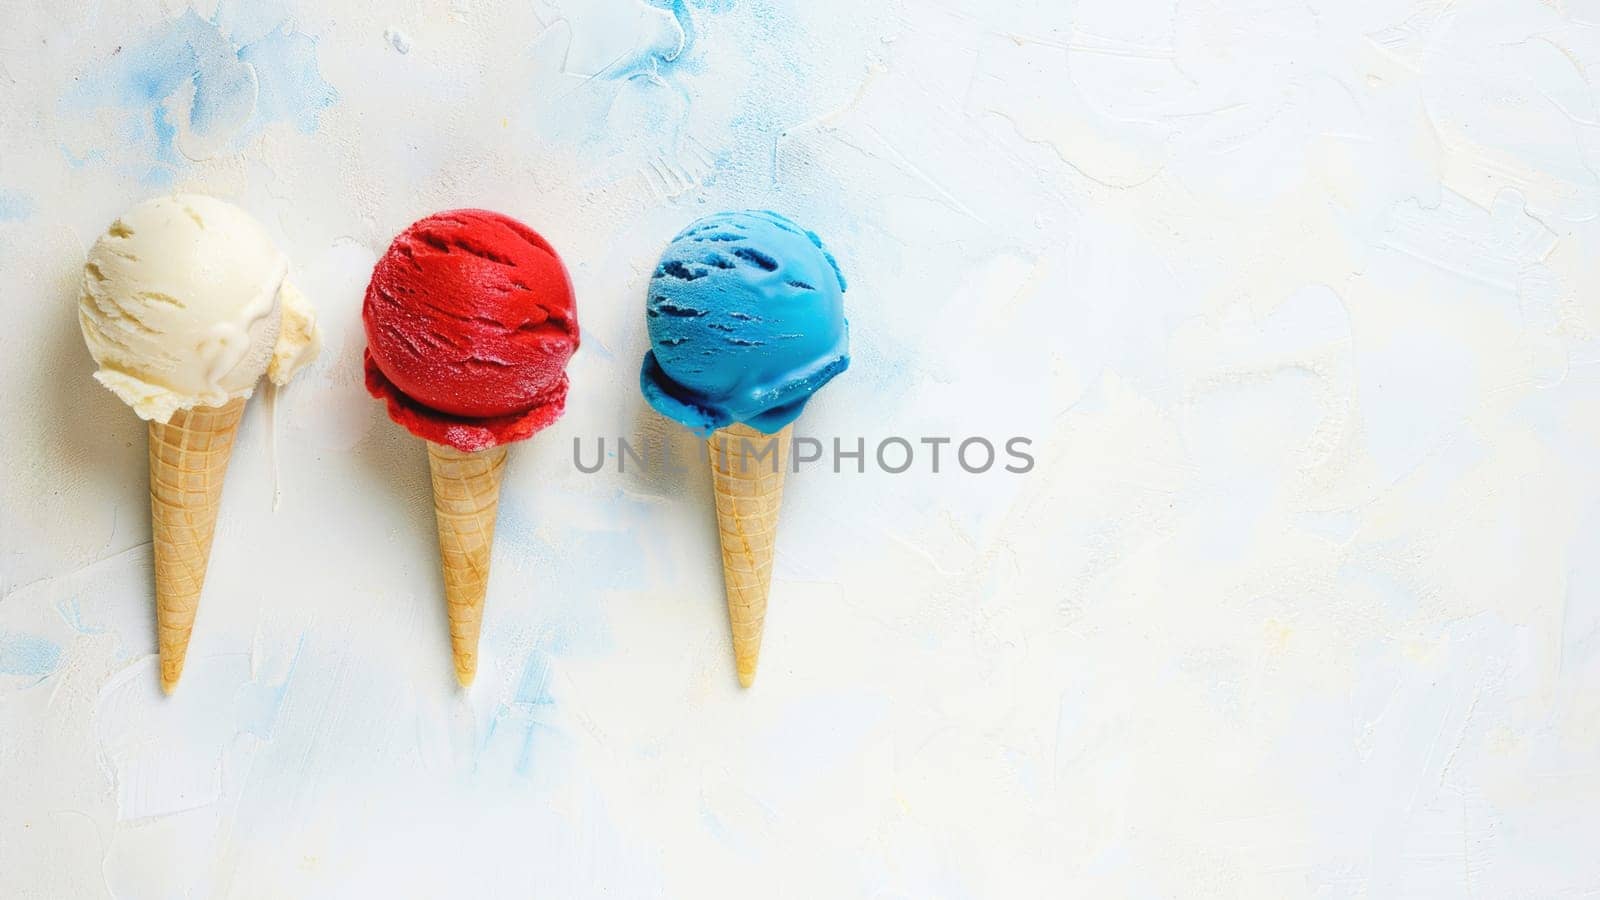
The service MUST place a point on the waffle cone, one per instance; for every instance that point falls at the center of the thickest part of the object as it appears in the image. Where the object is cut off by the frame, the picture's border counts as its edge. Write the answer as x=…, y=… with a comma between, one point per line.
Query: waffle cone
x=188, y=459
x=466, y=496
x=748, y=489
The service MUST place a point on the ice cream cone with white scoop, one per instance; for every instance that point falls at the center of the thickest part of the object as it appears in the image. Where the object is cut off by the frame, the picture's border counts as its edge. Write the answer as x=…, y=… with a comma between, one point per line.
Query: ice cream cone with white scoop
x=185, y=304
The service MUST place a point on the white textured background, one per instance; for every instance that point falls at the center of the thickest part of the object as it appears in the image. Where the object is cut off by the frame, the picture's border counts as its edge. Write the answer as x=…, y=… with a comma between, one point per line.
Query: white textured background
x=1300, y=302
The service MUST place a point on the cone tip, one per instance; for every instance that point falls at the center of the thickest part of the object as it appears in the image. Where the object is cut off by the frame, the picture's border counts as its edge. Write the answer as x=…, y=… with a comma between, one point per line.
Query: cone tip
x=747, y=678
x=465, y=677
x=171, y=668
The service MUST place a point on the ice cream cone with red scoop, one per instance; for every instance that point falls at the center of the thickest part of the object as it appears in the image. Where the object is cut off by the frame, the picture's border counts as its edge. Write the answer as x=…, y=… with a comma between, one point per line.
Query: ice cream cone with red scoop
x=470, y=322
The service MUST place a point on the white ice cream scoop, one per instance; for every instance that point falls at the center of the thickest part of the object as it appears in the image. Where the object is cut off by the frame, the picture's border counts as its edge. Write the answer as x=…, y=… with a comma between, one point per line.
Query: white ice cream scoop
x=185, y=304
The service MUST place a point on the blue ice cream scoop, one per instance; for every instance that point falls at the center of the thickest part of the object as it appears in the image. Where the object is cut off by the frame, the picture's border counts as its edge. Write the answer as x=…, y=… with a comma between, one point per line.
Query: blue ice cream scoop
x=746, y=318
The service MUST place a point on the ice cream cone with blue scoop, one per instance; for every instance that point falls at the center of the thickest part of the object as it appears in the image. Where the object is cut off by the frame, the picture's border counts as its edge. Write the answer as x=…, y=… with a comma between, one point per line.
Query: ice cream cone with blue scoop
x=746, y=319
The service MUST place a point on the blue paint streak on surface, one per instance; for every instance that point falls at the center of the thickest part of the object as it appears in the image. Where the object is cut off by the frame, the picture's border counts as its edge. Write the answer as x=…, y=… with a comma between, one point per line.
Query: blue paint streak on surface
x=241, y=84
x=15, y=206
x=641, y=92
x=71, y=611
x=526, y=716
x=260, y=700
x=684, y=59
x=78, y=162
x=25, y=654
x=534, y=688
x=291, y=90
x=247, y=21
x=658, y=57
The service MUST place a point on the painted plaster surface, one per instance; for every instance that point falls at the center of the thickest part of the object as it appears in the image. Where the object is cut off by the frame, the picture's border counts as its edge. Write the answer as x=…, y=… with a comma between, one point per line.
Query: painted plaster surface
x=1298, y=302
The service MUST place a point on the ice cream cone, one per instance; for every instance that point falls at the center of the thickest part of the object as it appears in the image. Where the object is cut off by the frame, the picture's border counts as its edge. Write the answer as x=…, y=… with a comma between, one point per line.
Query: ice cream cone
x=747, y=471
x=188, y=459
x=466, y=496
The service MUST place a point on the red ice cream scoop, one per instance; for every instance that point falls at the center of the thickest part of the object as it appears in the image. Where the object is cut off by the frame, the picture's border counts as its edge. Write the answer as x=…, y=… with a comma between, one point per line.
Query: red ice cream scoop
x=470, y=323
